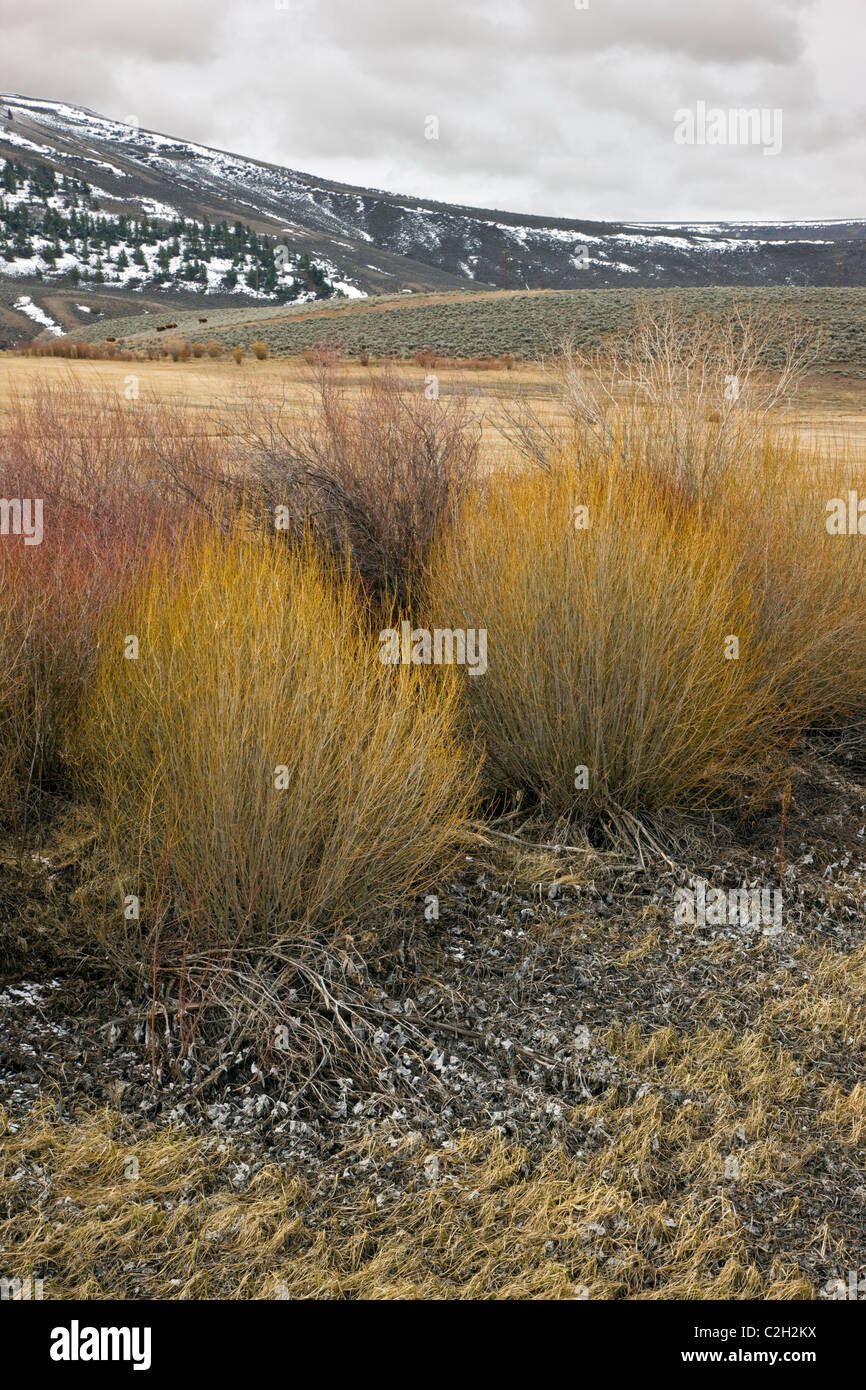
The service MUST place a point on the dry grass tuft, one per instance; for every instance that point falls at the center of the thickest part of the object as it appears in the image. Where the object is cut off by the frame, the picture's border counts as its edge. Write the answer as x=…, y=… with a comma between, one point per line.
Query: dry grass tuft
x=665, y=519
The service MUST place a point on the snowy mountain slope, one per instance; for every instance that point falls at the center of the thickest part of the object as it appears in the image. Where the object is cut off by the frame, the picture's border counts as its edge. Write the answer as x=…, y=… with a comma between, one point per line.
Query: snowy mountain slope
x=368, y=241
x=55, y=228
x=136, y=171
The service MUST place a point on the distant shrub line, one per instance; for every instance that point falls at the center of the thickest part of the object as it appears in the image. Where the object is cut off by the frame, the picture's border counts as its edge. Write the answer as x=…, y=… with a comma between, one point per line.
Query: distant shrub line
x=528, y=323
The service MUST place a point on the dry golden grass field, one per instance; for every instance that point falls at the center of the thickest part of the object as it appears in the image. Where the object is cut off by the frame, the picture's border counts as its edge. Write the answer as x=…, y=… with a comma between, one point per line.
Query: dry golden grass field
x=830, y=408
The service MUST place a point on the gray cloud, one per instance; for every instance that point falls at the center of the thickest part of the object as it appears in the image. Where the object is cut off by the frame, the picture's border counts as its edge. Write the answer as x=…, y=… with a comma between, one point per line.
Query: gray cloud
x=543, y=107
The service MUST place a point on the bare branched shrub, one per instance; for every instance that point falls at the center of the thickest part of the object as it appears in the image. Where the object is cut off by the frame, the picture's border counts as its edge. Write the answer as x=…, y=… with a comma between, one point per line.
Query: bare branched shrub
x=683, y=394
x=78, y=350
x=530, y=435
x=374, y=474
x=90, y=449
x=178, y=348
x=688, y=396
x=323, y=356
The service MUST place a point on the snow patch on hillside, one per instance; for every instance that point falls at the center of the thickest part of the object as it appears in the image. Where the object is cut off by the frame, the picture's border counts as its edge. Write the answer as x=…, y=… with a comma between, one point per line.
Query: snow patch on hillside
x=25, y=305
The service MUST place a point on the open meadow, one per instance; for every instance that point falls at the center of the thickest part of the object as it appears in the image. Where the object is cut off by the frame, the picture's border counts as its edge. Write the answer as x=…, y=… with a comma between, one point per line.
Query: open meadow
x=829, y=409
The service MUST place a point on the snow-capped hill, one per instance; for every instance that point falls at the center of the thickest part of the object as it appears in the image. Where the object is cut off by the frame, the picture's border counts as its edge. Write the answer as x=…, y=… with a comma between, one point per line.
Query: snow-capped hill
x=374, y=241
x=53, y=228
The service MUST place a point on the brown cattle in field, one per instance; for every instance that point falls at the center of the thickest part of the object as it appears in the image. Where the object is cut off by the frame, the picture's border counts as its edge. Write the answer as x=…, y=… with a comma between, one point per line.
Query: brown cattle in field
x=202, y=320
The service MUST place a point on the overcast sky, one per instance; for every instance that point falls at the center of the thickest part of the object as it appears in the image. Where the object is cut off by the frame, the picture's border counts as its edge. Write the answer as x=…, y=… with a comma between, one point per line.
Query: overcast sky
x=542, y=107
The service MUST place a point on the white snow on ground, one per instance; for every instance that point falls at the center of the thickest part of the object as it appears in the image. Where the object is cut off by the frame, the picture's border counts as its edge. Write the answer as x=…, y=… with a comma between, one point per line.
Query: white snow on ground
x=84, y=308
x=601, y=262
x=161, y=210
x=699, y=241
x=25, y=305
x=44, y=263
x=13, y=138
x=702, y=228
x=349, y=290
x=56, y=201
x=344, y=286
x=26, y=993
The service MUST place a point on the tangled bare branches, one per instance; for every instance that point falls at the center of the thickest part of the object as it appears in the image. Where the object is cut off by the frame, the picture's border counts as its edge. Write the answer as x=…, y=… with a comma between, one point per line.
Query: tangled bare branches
x=373, y=476
x=687, y=395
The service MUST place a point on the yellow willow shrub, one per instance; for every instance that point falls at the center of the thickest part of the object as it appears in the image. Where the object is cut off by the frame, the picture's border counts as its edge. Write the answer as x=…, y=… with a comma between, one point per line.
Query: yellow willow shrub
x=258, y=768
x=809, y=583
x=698, y=402
x=620, y=640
